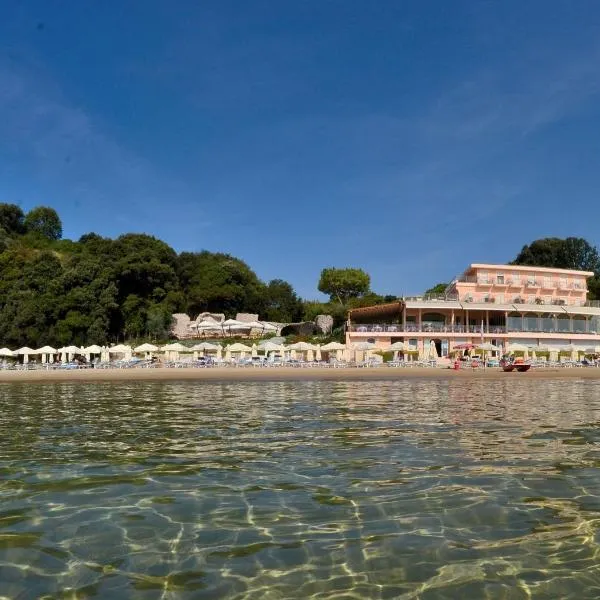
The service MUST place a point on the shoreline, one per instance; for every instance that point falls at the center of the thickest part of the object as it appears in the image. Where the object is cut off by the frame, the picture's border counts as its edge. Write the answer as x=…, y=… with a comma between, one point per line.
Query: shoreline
x=225, y=374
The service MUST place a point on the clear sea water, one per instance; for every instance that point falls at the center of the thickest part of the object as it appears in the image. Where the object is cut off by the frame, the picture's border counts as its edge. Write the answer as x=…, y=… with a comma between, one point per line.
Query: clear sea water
x=314, y=490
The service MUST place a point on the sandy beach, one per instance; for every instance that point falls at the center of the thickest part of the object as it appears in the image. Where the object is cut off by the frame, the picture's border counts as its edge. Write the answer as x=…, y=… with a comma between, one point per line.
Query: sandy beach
x=284, y=374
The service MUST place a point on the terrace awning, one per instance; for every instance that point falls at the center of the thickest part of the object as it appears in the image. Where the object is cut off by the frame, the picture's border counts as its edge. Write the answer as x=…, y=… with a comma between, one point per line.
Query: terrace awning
x=379, y=311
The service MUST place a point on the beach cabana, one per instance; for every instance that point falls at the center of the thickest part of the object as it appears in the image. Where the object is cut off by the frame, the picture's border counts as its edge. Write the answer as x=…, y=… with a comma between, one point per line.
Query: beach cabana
x=47, y=353
x=519, y=348
x=234, y=325
x=396, y=348
x=89, y=350
x=205, y=347
x=208, y=325
x=304, y=348
x=269, y=347
x=67, y=353
x=172, y=351
x=121, y=351
x=573, y=349
x=6, y=352
x=334, y=347
x=365, y=348
x=237, y=348
x=146, y=350
x=25, y=352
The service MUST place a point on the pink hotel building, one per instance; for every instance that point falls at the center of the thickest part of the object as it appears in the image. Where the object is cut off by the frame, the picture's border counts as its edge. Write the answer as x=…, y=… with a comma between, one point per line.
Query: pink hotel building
x=501, y=304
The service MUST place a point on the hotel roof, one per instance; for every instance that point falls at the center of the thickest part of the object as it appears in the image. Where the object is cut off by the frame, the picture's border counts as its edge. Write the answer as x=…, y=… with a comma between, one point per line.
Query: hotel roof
x=528, y=269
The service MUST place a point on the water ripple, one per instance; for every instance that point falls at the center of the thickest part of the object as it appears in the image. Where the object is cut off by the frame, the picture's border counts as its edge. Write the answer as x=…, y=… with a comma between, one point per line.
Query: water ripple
x=280, y=490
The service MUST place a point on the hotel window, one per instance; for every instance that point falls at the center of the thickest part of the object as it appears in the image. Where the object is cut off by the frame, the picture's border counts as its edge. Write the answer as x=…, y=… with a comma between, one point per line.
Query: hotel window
x=483, y=277
x=517, y=278
x=547, y=282
x=500, y=278
x=547, y=299
x=500, y=298
x=531, y=279
x=531, y=299
x=563, y=282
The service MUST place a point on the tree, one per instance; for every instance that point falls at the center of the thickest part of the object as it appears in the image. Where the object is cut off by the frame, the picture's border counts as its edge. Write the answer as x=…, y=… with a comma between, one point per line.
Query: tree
x=343, y=284
x=218, y=283
x=11, y=219
x=44, y=221
x=438, y=288
x=281, y=304
x=569, y=253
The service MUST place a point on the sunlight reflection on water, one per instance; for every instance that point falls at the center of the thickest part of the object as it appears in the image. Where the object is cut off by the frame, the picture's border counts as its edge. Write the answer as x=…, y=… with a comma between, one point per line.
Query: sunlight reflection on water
x=391, y=489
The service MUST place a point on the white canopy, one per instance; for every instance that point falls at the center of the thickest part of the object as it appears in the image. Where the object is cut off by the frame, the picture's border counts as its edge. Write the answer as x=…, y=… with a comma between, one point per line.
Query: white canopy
x=239, y=348
x=46, y=350
x=271, y=347
x=6, y=352
x=364, y=346
x=209, y=324
x=301, y=347
x=146, y=348
x=93, y=349
x=69, y=350
x=487, y=346
x=118, y=349
x=234, y=324
x=398, y=347
x=206, y=346
x=25, y=350
x=176, y=347
x=518, y=348
x=333, y=346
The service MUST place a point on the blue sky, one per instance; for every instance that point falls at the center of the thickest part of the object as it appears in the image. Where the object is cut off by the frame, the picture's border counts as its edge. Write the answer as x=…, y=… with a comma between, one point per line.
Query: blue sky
x=406, y=138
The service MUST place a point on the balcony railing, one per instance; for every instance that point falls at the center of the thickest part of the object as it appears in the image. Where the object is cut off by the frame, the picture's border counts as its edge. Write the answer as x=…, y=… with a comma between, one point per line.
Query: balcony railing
x=561, y=326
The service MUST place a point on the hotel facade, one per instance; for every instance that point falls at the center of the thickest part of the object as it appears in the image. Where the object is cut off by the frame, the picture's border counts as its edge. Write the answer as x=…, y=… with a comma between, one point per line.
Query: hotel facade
x=501, y=304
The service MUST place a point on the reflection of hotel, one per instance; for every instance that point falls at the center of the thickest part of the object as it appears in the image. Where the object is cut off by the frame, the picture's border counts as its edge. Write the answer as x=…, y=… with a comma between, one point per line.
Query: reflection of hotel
x=492, y=303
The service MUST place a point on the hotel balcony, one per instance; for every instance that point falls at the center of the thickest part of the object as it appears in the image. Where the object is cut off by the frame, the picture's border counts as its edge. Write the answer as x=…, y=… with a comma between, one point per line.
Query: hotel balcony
x=514, y=325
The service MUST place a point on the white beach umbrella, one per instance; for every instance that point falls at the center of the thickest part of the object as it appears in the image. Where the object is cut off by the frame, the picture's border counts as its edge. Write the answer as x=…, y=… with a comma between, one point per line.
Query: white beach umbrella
x=241, y=348
x=26, y=352
x=6, y=352
x=364, y=347
x=268, y=347
x=591, y=350
x=123, y=349
x=205, y=347
x=254, y=350
x=433, y=355
x=47, y=353
x=268, y=326
x=93, y=349
x=234, y=325
x=318, y=353
x=209, y=325
x=302, y=346
x=145, y=348
x=335, y=347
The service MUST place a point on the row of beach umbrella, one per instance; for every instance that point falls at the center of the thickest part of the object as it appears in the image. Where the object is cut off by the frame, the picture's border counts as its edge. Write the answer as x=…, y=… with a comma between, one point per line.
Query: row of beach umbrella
x=209, y=325
x=172, y=351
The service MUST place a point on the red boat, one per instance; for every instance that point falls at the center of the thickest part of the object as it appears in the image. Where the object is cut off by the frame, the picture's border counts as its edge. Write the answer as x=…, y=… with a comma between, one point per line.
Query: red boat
x=510, y=363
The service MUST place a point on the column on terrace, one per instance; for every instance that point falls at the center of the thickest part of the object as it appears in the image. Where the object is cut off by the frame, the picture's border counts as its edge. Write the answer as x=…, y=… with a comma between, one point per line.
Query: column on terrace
x=420, y=319
x=555, y=321
x=404, y=318
x=452, y=320
x=487, y=321
x=506, y=321
x=467, y=322
x=571, y=323
x=539, y=322
x=587, y=324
